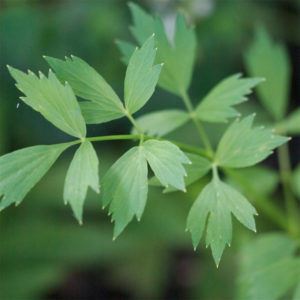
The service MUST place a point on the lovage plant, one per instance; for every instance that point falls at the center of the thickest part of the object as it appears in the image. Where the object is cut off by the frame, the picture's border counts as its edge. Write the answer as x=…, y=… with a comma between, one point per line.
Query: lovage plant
x=175, y=165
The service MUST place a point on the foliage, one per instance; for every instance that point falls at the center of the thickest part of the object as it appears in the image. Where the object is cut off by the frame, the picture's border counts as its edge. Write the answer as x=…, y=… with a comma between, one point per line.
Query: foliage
x=175, y=165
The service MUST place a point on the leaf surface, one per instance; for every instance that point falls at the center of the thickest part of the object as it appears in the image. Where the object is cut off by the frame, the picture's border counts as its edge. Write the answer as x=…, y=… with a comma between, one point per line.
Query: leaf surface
x=178, y=54
x=56, y=102
x=166, y=159
x=104, y=105
x=162, y=122
x=197, y=169
x=213, y=207
x=243, y=145
x=125, y=188
x=82, y=173
x=266, y=59
x=141, y=76
x=217, y=106
x=22, y=169
x=268, y=267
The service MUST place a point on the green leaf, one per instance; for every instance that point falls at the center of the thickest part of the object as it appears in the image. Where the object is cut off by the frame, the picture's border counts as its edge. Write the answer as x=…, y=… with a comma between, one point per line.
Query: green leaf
x=166, y=159
x=243, y=145
x=141, y=76
x=264, y=58
x=56, y=102
x=197, y=169
x=104, y=105
x=160, y=123
x=216, y=202
x=296, y=295
x=291, y=125
x=126, y=49
x=125, y=188
x=296, y=181
x=217, y=105
x=82, y=173
x=268, y=268
x=178, y=55
x=22, y=169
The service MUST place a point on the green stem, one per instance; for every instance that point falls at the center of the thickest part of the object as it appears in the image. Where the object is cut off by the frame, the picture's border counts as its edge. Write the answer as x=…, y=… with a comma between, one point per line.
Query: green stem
x=182, y=146
x=262, y=202
x=189, y=106
x=290, y=201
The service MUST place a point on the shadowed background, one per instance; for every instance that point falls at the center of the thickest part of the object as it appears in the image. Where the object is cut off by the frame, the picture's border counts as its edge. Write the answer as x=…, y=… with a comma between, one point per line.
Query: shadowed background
x=44, y=253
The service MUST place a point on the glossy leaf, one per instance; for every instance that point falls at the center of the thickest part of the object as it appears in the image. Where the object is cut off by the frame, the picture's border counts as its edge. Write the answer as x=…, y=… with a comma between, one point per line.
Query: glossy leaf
x=104, y=105
x=141, y=76
x=82, y=173
x=55, y=101
x=22, y=169
x=217, y=106
x=267, y=59
x=125, y=188
x=268, y=268
x=160, y=123
x=213, y=207
x=166, y=159
x=243, y=145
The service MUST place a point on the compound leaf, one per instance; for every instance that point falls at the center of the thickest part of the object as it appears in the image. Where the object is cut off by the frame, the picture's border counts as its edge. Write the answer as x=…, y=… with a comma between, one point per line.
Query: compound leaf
x=166, y=159
x=56, y=102
x=125, y=188
x=178, y=55
x=197, y=169
x=243, y=145
x=82, y=173
x=160, y=123
x=216, y=202
x=217, y=105
x=264, y=58
x=269, y=268
x=22, y=169
x=141, y=76
x=104, y=105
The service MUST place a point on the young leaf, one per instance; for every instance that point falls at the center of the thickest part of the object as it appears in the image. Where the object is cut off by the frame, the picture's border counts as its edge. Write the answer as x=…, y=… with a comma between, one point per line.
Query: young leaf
x=22, y=169
x=268, y=268
x=141, y=76
x=269, y=60
x=217, y=105
x=178, y=55
x=216, y=202
x=197, y=169
x=243, y=145
x=82, y=173
x=125, y=188
x=291, y=125
x=104, y=105
x=162, y=122
x=166, y=159
x=56, y=102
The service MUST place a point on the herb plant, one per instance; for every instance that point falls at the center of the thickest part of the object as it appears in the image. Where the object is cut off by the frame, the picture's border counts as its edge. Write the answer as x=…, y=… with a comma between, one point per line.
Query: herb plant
x=175, y=165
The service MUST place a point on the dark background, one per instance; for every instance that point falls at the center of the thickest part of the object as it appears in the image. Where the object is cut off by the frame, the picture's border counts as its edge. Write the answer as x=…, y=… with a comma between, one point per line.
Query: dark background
x=44, y=253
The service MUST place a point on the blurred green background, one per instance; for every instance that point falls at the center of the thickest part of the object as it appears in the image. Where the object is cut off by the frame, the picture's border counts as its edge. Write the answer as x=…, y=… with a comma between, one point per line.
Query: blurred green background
x=44, y=253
